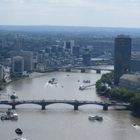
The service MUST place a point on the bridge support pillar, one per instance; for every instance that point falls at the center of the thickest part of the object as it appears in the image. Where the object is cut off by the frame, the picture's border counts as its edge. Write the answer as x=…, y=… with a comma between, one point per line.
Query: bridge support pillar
x=43, y=107
x=83, y=70
x=98, y=71
x=13, y=106
x=68, y=69
x=105, y=107
x=75, y=107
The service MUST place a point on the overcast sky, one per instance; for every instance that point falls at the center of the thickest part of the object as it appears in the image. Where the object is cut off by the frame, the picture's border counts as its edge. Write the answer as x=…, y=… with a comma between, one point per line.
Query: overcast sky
x=100, y=13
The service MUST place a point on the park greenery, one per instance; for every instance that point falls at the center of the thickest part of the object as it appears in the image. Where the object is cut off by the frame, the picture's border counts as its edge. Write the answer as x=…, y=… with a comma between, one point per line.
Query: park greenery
x=105, y=87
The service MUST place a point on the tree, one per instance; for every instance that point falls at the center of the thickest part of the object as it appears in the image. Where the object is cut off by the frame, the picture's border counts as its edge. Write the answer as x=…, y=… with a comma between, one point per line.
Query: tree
x=135, y=105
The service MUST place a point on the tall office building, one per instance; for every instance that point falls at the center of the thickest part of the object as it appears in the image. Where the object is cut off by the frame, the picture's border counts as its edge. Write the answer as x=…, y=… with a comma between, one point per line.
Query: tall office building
x=76, y=51
x=18, y=65
x=122, y=61
x=68, y=45
x=28, y=60
x=86, y=58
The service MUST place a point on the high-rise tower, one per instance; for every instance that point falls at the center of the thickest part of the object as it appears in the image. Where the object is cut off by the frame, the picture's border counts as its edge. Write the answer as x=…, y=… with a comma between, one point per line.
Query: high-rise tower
x=86, y=58
x=18, y=65
x=122, y=59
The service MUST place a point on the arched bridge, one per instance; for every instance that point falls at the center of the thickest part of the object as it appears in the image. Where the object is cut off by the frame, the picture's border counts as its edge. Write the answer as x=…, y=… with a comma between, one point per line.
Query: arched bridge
x=74, y=103
x=84, y=68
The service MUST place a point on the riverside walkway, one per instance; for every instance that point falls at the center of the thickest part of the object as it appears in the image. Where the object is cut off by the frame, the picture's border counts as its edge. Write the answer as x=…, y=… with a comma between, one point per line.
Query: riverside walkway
x=75, y=103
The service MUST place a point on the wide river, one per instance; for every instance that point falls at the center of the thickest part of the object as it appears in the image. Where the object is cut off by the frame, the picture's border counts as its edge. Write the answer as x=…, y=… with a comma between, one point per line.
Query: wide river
x=60, y=121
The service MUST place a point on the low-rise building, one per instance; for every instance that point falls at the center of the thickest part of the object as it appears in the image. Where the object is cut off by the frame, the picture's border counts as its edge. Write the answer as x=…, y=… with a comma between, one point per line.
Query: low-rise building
x=135, y=65
x=41, y=67
x=131, y=81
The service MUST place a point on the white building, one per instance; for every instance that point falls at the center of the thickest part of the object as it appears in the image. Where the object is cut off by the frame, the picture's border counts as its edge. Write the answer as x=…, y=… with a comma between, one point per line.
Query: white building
x=7, y=74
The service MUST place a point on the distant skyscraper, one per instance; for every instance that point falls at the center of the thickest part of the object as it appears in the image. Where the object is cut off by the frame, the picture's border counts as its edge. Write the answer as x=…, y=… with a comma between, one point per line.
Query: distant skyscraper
x=68, y=45
x=3, y=43
x=18, y=65
x=76, y=51
x=122, y=62
x=86, y=58
x=18, y=42
x=28, y=60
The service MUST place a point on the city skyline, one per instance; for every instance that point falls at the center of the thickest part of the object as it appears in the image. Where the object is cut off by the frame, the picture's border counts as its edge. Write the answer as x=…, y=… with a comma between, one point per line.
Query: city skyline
x=94, y=13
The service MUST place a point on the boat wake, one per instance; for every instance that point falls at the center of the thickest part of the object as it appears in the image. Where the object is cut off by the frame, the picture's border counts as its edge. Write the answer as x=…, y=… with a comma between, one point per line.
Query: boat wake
x=136, y=126
x=47, y=84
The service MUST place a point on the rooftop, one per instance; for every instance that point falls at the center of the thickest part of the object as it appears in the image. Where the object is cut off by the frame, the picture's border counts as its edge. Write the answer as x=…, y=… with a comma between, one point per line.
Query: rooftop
x=131, y=77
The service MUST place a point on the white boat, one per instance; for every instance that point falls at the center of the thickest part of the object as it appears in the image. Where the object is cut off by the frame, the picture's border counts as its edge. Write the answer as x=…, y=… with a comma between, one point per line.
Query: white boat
x=136, y=126
x=21, y=138
x=82, y=87
x=97, y=118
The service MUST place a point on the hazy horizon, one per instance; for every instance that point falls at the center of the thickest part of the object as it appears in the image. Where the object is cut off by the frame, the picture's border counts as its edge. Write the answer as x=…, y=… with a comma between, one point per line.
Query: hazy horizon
x=74, y=26
x=83, y=13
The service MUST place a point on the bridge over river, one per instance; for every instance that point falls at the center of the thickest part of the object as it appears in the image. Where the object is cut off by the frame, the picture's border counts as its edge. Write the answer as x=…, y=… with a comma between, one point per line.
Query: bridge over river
x=75, y=103
x=98, y=69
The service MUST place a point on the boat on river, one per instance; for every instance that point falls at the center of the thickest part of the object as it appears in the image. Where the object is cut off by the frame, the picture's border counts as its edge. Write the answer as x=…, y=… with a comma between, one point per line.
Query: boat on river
x=136, y=126
x=18, y=131
x=86, y=81
x=97, y=118
x=13, y=96
x=21, y=138
x=52, y=81
x=82, y=87
x=10, y=115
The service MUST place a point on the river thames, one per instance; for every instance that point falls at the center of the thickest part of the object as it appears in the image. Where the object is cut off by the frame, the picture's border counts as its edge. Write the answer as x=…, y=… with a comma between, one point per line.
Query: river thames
x=60, y=121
